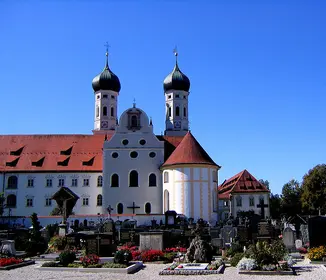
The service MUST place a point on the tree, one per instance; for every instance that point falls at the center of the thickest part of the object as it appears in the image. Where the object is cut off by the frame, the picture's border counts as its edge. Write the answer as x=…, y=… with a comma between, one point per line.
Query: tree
x=275, y=206
x=291, y=198
x=265, y=183
x=314, y=190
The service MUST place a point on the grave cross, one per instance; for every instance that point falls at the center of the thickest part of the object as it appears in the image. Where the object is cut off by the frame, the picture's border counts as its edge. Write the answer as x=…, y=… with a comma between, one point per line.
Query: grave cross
x=109, y=209
x=262, y=207
x=133, y=207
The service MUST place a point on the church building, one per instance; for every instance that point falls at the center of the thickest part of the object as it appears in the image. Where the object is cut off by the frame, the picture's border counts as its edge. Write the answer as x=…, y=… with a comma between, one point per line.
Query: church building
x=123, y=165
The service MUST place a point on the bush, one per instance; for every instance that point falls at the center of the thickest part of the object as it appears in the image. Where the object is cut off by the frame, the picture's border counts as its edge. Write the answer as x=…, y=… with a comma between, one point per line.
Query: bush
x=215, y=265
x=235, y=248
x=316, y=254
x=169, y=257
x=136, y=255
x=75, y=265
x=67, y=257
x=57, y=243
x=113, y=265
x=50, y=264
x=152, y=255
x=122, y=256
x=89, y=260
x=236, y=258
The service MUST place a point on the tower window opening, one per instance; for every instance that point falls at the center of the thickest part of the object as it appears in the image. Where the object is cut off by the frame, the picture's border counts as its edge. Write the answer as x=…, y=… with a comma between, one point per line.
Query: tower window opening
x=105, y=96
x=177, y=111
x=134, y=122
x=184, y=111
x=97, y=111
x=169, y=111
x=112, y=112
x=105, y=111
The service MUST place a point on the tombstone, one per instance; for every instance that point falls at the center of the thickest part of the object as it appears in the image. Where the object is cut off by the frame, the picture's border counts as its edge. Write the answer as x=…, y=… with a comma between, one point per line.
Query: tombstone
x=242, y=234
x=228, y=233
x=288, y=238
x=8, y=247
x=214, y=232
x=170, y=218
x=298, y=244
x=85, y=223
x=304, y=234
x=154, y=224
x=118, y=225
x=217, y=242
x=108, y=226
x=317, y=229
x=151, y=240
x=76, y=224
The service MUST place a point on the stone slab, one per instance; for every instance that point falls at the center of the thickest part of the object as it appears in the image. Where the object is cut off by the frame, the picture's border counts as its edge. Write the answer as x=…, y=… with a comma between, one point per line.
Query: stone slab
x=128, y=270
x=192, y=266
x=260, y=272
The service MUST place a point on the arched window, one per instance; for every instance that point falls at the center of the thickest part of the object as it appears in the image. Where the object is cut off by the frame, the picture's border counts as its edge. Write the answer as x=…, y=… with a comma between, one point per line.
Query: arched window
x=11, y=200
x=99, y=200
x=120, y=208
x=148, y=208
x=166, y=201
x=184, y=111
x=112, y=112
x=133, y=178
x=239, y=201
x=100, y=181
x=97, y=111
x=115, y=180
x=169, y=111
x=12, y=182
x=177, y=111
x=134, y=121
x=166, y=177
x=105, y=111
x=152, y=180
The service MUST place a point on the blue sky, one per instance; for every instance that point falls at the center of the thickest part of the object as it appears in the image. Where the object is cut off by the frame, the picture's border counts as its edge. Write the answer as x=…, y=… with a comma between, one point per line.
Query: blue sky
x=257, y=71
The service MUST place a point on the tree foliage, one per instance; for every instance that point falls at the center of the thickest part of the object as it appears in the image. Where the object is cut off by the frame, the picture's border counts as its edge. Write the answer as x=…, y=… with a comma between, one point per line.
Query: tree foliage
x=291, y=198
x=275, y=206
x=265, y=183
x=314, y=190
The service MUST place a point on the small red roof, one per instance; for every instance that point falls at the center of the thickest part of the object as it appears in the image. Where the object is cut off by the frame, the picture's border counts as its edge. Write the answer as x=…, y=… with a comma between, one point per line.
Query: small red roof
x=189, y=151
x=242, y=182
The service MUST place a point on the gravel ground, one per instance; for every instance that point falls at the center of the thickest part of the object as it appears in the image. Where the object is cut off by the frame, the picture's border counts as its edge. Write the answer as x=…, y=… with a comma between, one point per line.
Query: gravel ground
x=305, y=272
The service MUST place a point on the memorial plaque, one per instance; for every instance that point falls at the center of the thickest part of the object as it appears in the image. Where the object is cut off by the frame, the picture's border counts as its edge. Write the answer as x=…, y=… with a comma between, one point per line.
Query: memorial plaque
x=264, y=229
x=151, y=240
x=105, y=242
x=92, y=246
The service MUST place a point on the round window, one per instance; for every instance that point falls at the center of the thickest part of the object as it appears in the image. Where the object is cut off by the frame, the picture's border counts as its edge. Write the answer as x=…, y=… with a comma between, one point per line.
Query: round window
x=152, y=154
x=125, y=142
x=115, y=155
x=142, y=142
x=133, y=154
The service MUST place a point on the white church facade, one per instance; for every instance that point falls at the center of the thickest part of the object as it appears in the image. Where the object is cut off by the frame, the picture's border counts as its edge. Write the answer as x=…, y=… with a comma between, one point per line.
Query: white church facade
x=123, y=165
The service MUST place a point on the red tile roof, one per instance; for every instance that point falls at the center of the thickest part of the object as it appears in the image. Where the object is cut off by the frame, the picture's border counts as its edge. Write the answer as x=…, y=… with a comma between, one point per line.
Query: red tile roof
x=61, y=153
x=242, y=182
x=189, y=151
x=28, y=151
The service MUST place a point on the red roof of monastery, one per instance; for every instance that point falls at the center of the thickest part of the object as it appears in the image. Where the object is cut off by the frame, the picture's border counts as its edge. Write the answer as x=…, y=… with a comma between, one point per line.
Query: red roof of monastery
x=189, y=151
x=242, y=182
x=61, y=153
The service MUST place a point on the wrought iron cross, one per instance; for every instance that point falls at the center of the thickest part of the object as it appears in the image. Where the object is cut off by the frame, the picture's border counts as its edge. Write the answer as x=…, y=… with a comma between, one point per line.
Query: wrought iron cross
x=262, y=207
x=133, y=207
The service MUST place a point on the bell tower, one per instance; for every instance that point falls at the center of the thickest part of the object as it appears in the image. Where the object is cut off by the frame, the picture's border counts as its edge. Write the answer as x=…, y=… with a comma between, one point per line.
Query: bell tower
x=176, y=90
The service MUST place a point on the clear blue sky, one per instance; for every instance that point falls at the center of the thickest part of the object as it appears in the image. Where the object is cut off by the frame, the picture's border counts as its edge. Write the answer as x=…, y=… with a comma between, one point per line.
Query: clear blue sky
x=257, y=71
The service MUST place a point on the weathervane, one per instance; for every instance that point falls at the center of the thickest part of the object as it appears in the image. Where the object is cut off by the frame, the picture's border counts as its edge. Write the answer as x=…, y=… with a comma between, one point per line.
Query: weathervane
x=175, y=51
x=107, y=54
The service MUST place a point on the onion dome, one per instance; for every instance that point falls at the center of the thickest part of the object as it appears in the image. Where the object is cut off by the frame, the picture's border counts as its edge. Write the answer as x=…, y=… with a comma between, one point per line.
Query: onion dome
x=106, y=80
x=176, y=79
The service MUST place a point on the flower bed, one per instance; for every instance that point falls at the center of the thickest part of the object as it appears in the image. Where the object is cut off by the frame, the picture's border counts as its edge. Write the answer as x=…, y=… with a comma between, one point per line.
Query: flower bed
x=317, y=255
x=11, y=263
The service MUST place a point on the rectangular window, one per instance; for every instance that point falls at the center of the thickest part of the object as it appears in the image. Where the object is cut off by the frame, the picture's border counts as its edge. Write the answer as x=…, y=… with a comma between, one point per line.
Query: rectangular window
x=239, y=202
x=85, y=201
x=29, y=202
x=166, y=177
x=226, y=203
x=61, y=182
x=251, y=201
x=177, y=96
x=214, y=175
x=105, y=96
x=48, y=202
x=86, y=182
x=74, y=182
x=49, y=182
x=30, y=183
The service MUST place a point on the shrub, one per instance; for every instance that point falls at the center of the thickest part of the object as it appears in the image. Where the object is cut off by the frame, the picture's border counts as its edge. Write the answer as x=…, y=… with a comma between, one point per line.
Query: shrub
x=56, y=243
x=169, y=257
x=75, y=265
x=318, y=253
x=50, y=264
x=235, y=248
x=67, y=257
x=122, y=256
x=89, y=260
x=236, y=258
x=113, y=265
x=136, y=255
x=215, y=265
x=247, y=264
x=98, y=265
x=152, y=255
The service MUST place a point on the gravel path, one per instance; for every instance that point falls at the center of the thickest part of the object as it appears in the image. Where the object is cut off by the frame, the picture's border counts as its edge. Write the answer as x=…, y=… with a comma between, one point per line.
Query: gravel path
x=306, y=272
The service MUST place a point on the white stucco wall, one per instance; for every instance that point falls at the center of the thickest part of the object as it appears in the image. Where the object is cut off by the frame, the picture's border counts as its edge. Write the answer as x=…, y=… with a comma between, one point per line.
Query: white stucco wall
x=191, y=191
x=39, y=192
x=124, y=164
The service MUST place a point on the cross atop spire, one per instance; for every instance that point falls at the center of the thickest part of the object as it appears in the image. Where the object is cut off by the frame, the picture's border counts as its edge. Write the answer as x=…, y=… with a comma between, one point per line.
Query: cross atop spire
x=175, y=51
x=107, y=54
x=134, y=103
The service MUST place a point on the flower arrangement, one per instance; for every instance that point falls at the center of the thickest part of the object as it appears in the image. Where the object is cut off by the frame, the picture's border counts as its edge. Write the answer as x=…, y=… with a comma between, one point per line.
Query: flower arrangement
x=175, y=250
x=152, y=255
x=303, y=250
x=317, y=254
x=9, y=261
x=88, y=260
x=247, y=264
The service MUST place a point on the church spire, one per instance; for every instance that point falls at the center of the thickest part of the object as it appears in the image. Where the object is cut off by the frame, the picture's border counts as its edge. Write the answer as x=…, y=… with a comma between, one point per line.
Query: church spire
x=107, y=55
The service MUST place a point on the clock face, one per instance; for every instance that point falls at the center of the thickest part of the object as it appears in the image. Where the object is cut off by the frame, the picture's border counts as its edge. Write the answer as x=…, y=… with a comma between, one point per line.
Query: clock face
x=104, y=124
x=177, y=124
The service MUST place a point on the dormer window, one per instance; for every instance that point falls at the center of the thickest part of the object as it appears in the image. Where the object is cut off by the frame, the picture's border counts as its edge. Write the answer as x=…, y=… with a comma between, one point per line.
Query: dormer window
x=134, y=120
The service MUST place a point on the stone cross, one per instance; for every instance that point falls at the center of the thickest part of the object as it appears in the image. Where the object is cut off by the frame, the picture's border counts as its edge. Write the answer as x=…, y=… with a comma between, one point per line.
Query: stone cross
x=262, y=207
x=133, y=207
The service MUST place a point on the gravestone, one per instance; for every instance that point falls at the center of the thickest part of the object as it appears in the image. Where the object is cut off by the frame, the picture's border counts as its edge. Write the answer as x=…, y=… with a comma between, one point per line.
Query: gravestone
x=242, y=234
x=108, y=226
x=298, y=244
x=170, y=218
x=228, y=233
x=304, y=233
x=214, y=232
x=151, y=240
x=217, y=242
x=288, y=238
x=8, y=247
x=317, y=229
